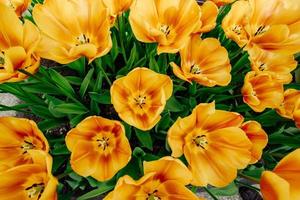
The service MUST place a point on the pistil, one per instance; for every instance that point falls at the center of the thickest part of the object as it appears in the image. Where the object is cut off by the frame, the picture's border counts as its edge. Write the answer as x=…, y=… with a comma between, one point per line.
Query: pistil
x=103, y=143
x=35, y=190
x=195, y=69
x=140, y=101
x=200, y=141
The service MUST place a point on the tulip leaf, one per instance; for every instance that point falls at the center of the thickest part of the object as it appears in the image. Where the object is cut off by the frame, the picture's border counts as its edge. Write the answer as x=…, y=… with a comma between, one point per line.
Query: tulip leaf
x=61, y=82
x=85, y=83
x=102, y=98
x=70, y=108
x=153, y=65
x=229, y=190
x=78, y=65
x=145, y=138
x=173, y=105
x=103, y=188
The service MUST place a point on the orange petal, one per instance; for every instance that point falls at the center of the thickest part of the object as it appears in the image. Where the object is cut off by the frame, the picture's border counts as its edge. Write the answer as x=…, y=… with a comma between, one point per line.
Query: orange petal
x=209, y=16
x=257, y=136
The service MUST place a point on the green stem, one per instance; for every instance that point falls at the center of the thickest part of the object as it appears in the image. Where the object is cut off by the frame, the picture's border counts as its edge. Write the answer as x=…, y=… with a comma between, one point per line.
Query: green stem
x=249, y=178
x=211, y=194
x=247, y=185
x=103, y=71
x=120, y=23
x=238, y=65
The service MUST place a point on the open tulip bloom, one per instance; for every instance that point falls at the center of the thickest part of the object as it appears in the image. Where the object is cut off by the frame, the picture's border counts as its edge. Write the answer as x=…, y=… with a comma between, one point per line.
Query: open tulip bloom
x=149, y=99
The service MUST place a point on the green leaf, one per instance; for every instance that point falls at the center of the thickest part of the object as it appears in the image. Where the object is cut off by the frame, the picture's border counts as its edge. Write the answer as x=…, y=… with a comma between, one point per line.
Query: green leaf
x=173, y=105
x=62, y=82
x=41, y=111
x=60, y=149
x=153, y=65
x=102, y=98
x=70, y=108
x=103, y=188
x=85, y=83
x=145, y=138
x=49, y=124
x=138, y=152
x=132, y=58
x=229, y=190
x=77, y=119
x=78, y=65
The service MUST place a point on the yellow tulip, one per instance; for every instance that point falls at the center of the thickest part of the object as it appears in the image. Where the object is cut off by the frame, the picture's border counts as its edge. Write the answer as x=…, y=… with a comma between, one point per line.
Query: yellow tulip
x=204, y=61
x=140, y=97
x=164, y=179
x=17, y=138
x=30, y=181
x=257, y=136
x=272, y=25
x=166, y=22
x=117, y=7
x=72, y=29
x=209, y=14
x=283, y=182
x=17, y=46
x=261, y=91
x=213, y=144
x=99, y=148
x=296, y=114
x=19, y=6
x=279, y=66
x=287, y=108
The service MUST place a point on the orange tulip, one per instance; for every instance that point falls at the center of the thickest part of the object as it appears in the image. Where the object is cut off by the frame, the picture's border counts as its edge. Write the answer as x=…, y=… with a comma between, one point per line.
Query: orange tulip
x=166, y=22
x=117, y=7
x=209, y=14
x=279, y=66
x=222, y=2
x=99, y=148
x=19, y=6
x=213, y=144
x=257, y=136
x=283, y=182
x=204, y=61
x=261, y=91
x=287, y=108
x=72, y=29
x=164, y=179
x=18, y=136
x=30, y=181
x=269, y=25
x=140, y=97
x=17, y=46
x=296, y=114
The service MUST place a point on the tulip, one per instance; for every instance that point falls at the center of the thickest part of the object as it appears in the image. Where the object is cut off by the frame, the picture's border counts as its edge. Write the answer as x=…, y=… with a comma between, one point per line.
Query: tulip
x=99, y=148
x=117, y=7
x=257, y=136
x=272, y=25
x=222, y=2
x=213, y=144
x=261, y=91
x=287, y=108
x=140, y=97
x=205, y=62
x=72, y=29
x=166, y=22
x=283, y=182
x=30, y=181
x=17, y=46
x=19, y=136
x=279, y=66
x=209, y=14
x=19, y=6
x=164, y=179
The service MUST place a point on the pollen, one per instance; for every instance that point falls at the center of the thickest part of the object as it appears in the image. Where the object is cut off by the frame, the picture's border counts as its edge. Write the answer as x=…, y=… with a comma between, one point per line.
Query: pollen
x=103, y=143
x=140, y=100
x=165, y=29
x=262, y=67
x=195, y=69
x=82, y=39
x=153, y=196
x=201, y=141
x=27, y=146
x=35, y=191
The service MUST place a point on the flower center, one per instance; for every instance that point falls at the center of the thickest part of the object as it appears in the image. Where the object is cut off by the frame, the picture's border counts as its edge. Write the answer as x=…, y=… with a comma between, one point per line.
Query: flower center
x=165, y=29
x=82, y=39
x=140, y=101
x=262, y=29
x=35, y=190
x=201, y=141
x=237, y=29
x=195, y=69
x=262, y=67
x=27, y=146
x=2, y=60
x=153, y=196
x=103, y=143
x=10, y=4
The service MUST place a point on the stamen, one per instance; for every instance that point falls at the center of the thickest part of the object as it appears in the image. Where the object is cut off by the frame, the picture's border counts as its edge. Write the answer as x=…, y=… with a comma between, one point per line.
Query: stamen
x=36, y=190
x=165, y=29
x=153, y=196
x=200, y=141
x=262, y=67
x=27, y=146
x=103, y=143
x=82, y=39
x=140, y=101
x=195, y=69
x=260, y=30
x=237, y=29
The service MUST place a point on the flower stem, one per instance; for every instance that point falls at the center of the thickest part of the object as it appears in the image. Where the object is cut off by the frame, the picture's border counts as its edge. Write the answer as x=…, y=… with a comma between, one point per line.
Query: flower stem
x=120, y=27
x=99, y=65
x=211, y=194
x=247, y=185
x=249, y=178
